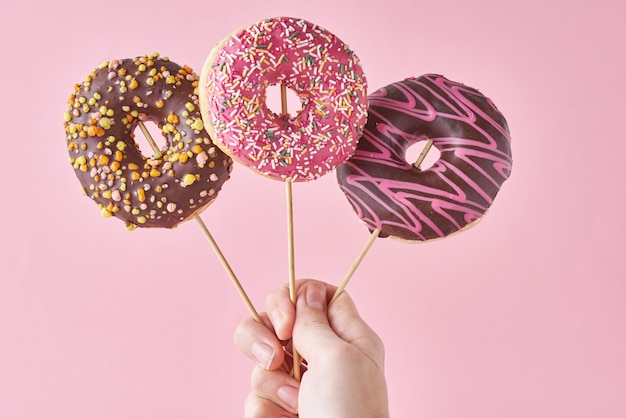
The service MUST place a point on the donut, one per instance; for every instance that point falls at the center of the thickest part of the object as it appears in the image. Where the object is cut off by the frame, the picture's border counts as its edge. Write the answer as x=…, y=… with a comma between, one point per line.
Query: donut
x=171, y=185
x=391, y=195
x=321, y=69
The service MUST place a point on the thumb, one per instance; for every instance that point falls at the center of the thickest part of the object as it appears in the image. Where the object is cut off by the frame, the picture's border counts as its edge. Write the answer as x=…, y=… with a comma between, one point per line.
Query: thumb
x=312, y=330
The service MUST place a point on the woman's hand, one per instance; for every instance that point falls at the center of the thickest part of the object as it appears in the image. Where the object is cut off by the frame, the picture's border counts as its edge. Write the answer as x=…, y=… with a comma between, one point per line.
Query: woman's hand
x=344, y=375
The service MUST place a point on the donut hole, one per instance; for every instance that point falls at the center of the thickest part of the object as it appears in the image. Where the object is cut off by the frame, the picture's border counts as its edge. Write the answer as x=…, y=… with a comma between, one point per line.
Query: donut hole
x=145, y=147
x=414, y=152
x=274, y=101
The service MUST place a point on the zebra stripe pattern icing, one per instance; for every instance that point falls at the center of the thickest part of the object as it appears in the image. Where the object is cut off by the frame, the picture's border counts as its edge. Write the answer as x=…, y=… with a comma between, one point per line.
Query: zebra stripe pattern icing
x=392, y=195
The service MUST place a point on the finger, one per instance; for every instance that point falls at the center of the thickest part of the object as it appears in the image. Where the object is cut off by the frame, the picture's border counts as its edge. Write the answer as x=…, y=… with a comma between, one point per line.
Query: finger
x=312, y=329
x=281, y=312
x=319, y=323
x=257, y=407
x=277, y=387
x=259, y=343
x=345, y=320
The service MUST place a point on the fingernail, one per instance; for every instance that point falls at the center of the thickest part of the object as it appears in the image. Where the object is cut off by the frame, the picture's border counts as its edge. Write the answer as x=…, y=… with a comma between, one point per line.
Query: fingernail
x=263, y=354
x=289, y=395
x=316, y=296
x=278, y=319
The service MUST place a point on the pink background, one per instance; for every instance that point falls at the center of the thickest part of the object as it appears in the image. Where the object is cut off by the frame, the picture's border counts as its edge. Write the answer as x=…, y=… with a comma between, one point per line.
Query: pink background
x=522, y=316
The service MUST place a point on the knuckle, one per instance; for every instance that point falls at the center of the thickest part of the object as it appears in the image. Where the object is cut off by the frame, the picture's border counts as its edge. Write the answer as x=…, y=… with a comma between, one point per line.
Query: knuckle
x=253, y=407
x=258, y=379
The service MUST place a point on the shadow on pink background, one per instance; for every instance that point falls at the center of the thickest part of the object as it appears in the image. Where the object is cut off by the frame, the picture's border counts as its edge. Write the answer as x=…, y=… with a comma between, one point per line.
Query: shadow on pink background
x=521, y=316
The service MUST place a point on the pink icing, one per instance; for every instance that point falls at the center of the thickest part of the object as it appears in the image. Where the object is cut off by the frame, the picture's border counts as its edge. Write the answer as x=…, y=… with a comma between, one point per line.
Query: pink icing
x=391, y=195
x=318, y=66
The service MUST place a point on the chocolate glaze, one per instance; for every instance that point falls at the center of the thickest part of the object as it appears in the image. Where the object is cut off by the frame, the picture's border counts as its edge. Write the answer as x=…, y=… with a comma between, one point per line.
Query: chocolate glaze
x=391, y=195
x=158, y=191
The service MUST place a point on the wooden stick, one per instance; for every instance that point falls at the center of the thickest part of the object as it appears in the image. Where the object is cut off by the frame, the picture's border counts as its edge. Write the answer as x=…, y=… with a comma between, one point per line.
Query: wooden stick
x=229, y=270
x=290, y=239
x=292, y=270
x=290, y=243
x=420, y=158
x=356, y=264
x=212, y=241
x=146, y=133
x=290, y=234
x=283, y=100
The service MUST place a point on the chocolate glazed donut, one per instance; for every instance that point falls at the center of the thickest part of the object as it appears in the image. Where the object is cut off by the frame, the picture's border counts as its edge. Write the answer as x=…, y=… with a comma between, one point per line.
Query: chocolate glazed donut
x=167, y=188
x=391, y=195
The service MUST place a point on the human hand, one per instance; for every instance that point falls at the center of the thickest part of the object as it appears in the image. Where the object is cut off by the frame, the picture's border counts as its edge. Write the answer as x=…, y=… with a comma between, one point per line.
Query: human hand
x=344, y=375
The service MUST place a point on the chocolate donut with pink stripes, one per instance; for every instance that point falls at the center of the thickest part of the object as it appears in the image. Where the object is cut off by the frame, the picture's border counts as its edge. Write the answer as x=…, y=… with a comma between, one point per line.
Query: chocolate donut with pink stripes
x=399, y=199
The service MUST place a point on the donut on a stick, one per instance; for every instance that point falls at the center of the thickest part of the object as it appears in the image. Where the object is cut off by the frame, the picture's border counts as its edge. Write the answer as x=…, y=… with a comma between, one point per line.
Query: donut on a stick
x=175, y=183
x=319, y=68
x=397, y=199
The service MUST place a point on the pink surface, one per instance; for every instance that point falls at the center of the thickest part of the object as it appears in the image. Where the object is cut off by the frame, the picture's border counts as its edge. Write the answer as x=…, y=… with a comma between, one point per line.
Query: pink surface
x=524, y=315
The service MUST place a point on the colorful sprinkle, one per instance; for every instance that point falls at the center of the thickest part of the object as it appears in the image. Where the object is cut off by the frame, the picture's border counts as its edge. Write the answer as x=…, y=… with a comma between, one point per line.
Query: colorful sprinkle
x=139, y=186
x=307, y=59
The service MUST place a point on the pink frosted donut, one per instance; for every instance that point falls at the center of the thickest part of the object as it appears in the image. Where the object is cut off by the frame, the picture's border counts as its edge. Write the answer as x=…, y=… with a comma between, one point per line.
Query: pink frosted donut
x=317, y=66
x=391, y=195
